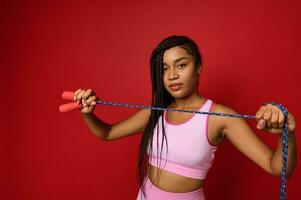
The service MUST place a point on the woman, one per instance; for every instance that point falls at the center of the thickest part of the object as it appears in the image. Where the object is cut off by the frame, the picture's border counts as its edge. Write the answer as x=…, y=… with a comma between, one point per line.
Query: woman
x=185, y=142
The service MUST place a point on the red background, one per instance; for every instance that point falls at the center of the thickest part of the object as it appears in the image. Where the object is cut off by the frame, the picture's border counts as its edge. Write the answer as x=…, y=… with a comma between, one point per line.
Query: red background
x=250, y=51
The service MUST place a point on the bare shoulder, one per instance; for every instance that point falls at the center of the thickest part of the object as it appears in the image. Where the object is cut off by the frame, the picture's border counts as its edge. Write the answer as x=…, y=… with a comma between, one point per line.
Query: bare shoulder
x=217, y=123
x=225, y=120
x=223, y=108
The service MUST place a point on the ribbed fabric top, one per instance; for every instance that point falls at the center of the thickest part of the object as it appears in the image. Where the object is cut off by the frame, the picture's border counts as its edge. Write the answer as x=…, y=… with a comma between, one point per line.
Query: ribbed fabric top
x=189, y=152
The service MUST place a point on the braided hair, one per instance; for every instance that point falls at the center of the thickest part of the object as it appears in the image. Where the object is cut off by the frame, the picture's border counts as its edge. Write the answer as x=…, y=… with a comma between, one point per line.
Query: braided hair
x=161, y=98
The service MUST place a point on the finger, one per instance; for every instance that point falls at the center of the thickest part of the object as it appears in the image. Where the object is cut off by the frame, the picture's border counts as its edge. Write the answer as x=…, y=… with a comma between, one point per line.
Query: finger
x=267, y=117
x=87, y=94
x=261, y=124
x=76, y=93
x=281, y=120
x=275, y=118
x=92, y=104
x=267, y=114
x=260, y=112
x=80, y=95
x=90, y=99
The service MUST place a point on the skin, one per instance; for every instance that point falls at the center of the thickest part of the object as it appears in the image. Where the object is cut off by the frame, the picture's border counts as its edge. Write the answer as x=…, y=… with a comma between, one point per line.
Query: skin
x=269, y=119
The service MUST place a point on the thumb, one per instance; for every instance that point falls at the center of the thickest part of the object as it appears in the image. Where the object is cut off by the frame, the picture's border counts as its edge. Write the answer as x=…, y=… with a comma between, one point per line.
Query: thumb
x=92, y=105
x=261, y=124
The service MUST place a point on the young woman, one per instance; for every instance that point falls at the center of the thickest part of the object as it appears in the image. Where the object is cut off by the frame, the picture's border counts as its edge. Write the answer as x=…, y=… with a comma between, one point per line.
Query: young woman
x=177, y=149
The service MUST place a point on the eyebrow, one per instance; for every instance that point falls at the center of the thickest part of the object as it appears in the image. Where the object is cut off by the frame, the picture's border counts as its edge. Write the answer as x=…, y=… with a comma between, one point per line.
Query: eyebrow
x=177, y=60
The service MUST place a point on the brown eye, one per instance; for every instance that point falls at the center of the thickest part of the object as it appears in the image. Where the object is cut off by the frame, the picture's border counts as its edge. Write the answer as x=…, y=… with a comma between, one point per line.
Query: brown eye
x=182, y=65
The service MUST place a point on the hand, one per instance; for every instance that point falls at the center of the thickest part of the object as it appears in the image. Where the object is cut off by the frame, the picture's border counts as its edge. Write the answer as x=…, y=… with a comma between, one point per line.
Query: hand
x=87, y=98
x=271, y=119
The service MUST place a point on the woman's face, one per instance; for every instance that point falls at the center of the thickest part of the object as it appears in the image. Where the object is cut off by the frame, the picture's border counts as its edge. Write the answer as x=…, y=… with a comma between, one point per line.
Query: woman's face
x=179, y=75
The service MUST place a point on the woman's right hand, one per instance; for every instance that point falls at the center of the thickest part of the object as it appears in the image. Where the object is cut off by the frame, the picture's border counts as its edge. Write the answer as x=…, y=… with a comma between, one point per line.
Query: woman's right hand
x=87, y=98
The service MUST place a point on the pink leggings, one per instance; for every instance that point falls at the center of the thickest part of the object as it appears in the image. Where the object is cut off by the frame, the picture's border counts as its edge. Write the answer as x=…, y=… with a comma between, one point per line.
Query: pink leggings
x=155, y=193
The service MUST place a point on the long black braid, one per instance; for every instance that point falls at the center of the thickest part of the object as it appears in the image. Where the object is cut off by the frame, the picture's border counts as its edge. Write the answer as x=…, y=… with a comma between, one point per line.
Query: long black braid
x=160, y=98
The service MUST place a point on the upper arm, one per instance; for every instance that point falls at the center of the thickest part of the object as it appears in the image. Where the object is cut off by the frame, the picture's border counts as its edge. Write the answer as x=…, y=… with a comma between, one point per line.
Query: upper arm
x=239, y=133
x=130, y=126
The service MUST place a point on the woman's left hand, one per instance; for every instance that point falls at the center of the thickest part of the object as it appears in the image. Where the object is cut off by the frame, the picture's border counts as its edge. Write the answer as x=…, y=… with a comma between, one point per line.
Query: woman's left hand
x=271, y=119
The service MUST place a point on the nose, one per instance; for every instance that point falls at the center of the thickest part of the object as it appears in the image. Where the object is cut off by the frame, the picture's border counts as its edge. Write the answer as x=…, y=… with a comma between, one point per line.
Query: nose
x=173, y=74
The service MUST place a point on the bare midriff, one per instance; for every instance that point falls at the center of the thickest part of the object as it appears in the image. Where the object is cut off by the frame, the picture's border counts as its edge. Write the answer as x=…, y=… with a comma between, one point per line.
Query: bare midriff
x=172, y=182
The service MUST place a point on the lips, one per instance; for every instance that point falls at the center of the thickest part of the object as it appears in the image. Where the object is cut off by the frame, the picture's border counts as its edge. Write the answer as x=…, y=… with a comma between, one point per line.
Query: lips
x=175, y=86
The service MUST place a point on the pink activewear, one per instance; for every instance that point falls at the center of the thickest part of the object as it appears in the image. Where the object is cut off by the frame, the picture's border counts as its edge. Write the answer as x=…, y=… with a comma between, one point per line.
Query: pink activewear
x=189, y=153
x=155, y=193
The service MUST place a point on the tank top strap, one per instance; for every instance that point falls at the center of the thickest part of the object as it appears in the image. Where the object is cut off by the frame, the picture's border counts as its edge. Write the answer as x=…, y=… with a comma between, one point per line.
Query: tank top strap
x=206, y=106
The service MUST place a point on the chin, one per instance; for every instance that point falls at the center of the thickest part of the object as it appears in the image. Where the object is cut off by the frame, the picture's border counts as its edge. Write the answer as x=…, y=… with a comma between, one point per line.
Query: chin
x=177, y=94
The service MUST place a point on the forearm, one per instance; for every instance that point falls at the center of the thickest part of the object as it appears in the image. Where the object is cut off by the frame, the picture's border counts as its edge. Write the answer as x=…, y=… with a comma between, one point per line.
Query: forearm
x=276, y=160
x=98, y=127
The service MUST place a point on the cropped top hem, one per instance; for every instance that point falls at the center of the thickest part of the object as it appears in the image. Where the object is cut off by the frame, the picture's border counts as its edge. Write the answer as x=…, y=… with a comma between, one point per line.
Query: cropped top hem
x=173, y=167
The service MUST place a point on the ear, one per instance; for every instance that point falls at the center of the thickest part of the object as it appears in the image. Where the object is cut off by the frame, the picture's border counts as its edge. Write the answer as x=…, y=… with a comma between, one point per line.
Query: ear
x=199, y=69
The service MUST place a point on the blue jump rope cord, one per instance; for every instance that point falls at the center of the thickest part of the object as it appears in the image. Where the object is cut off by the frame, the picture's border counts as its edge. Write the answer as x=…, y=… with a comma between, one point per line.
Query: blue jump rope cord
x=285, y=132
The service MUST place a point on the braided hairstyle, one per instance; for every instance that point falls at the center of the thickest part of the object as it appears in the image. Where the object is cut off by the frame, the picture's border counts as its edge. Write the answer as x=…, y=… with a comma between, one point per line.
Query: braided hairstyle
x=161, y=97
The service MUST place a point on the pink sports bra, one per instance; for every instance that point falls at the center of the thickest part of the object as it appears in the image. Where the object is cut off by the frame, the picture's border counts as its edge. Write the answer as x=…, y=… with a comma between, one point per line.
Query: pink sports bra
x=189, y=152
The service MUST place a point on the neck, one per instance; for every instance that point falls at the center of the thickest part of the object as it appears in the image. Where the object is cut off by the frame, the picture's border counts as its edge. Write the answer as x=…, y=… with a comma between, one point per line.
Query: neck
x=190, y=101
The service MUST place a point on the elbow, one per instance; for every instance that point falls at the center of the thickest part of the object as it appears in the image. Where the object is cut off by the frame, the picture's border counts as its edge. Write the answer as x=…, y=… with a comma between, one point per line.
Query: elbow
x=290, y=173
x=279, y=173
x=105, y=138
x=275, y=171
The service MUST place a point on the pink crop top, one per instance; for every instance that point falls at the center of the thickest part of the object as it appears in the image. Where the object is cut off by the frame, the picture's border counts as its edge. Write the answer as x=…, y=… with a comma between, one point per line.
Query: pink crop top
x=189, y=152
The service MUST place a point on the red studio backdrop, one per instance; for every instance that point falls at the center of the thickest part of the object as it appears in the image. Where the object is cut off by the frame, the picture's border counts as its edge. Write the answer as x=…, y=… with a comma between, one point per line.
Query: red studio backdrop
x=250, y=50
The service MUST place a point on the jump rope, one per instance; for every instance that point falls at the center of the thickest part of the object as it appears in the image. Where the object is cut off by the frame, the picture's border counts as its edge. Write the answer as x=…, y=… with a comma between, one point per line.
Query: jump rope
x=69, y=95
